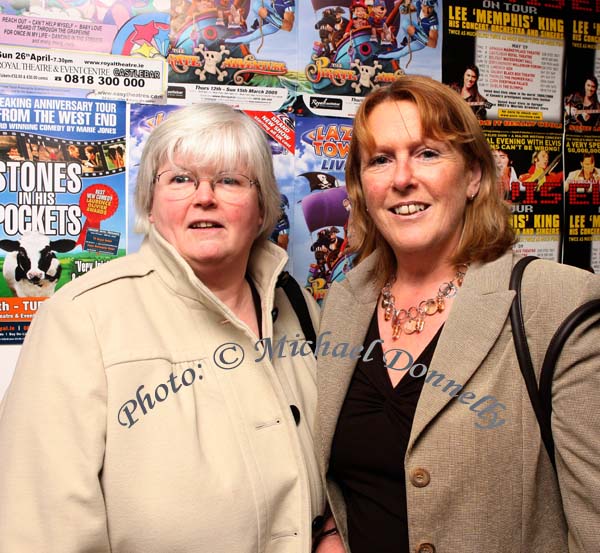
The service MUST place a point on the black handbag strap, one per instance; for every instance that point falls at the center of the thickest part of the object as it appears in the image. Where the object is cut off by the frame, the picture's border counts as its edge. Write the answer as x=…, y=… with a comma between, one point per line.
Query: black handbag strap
x=541, y=397
x=294, y=294
x=524, y=357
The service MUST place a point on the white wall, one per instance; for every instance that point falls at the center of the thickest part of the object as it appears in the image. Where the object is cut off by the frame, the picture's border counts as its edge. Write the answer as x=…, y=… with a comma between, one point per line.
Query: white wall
x=8, y=360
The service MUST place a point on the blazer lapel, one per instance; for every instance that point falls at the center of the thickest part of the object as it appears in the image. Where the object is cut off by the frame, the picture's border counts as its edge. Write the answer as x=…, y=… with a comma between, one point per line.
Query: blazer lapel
x=477, y=318
x=356, y=296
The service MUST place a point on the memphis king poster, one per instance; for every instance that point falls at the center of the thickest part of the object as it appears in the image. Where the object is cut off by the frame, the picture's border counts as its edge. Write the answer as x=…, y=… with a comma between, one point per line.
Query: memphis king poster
x=62, y=198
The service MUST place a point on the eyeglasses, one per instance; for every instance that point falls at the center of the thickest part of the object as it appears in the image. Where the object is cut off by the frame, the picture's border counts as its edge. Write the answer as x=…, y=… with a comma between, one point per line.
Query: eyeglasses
x=229, y=187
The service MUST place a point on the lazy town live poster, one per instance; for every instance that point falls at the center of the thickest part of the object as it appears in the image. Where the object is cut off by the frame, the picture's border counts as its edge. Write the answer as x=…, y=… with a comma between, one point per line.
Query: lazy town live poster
x=321, y=207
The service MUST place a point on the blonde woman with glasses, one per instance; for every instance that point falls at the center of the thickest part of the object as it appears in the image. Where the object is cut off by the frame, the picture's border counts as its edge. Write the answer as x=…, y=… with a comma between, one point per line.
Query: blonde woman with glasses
x=143, y=417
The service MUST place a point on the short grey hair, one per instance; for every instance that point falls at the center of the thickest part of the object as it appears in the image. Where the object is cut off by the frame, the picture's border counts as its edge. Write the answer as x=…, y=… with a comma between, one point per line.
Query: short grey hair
x=216, y=135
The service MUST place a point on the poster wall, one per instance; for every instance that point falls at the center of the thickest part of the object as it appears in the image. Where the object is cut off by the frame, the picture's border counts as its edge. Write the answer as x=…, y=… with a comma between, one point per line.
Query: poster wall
x=241, y=53
x=101, y=75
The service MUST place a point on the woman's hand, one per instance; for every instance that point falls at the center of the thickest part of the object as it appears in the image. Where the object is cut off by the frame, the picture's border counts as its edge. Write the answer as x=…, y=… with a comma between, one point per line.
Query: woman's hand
x=329, y=541
x=331, y=544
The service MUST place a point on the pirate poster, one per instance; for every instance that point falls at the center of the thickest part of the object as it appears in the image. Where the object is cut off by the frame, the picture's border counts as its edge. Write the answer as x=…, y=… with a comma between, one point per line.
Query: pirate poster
x=350, y=47
x=62, y=198
x=239, y=52
x=506, y=59
x=321, y=205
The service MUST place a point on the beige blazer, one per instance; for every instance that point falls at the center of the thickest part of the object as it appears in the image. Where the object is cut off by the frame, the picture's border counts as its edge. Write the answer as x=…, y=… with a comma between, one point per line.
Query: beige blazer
x=471, y=489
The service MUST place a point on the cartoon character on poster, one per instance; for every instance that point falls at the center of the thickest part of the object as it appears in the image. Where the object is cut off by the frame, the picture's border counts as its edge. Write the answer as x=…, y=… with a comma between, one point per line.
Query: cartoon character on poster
x=343, y=60
x=281, y=232
x=218, y=41
x=418, y=28
x=324, y=205
x=267, y=18
x=363, y=44
x=325, y=211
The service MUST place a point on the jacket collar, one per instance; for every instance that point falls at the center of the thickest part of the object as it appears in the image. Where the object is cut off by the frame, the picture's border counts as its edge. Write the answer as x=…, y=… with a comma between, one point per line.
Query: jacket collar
x=266, y=262
x=476, y=320
x=359, y=281
x=473, y=326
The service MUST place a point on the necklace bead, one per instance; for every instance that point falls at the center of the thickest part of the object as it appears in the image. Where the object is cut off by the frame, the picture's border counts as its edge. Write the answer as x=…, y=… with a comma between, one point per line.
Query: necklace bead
x=412, y=320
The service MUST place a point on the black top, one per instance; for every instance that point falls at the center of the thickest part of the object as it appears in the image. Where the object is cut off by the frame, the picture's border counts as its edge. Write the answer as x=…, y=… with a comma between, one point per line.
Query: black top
x=368, y=449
